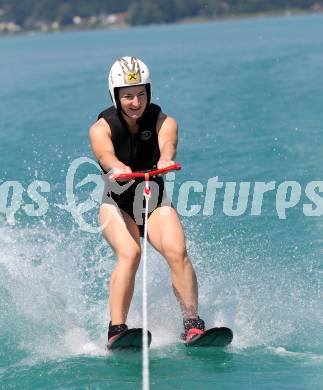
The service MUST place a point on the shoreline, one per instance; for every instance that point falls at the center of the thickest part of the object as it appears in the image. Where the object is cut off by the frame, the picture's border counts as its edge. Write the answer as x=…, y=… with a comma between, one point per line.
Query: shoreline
x=246, y=16
x=190, y=20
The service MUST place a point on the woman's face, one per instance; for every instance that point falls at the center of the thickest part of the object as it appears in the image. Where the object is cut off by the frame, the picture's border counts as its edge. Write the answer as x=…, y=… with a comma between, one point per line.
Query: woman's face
x=133, y=100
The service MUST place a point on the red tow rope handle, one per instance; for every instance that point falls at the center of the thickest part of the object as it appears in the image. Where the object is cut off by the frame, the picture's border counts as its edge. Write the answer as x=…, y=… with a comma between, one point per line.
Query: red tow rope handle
x=146, y=175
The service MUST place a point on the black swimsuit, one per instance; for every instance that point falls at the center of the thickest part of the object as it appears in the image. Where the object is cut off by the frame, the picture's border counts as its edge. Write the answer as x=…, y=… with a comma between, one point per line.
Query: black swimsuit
x=140, y=152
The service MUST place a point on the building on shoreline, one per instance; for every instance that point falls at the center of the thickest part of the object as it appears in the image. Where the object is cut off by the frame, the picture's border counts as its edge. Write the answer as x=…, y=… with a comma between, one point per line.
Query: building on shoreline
x=94, y=21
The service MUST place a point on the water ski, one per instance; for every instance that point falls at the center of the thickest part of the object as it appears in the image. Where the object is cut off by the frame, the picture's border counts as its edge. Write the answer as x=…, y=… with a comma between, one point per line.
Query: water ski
x=214, y=337
x=129, y=339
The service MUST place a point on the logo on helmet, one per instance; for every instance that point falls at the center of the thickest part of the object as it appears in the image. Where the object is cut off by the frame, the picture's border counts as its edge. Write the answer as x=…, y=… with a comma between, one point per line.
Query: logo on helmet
x=133, y=77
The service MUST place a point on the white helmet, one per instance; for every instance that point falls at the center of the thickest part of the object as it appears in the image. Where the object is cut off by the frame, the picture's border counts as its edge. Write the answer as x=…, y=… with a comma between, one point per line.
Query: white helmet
x=126, y=72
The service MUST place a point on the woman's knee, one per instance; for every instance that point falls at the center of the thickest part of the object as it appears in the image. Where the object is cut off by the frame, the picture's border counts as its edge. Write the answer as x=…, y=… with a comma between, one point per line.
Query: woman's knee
x=176, y=255
x=129, y=256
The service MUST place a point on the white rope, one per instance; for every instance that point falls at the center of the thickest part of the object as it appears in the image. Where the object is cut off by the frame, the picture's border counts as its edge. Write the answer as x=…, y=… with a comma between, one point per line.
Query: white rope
x=145, y=347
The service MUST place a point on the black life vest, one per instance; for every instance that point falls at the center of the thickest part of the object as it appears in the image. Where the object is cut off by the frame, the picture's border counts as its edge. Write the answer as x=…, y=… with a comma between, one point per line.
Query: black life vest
x=139, y=151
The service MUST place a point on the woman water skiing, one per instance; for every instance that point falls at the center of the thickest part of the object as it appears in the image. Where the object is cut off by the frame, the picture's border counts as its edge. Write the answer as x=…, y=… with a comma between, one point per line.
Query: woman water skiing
x=135, y=135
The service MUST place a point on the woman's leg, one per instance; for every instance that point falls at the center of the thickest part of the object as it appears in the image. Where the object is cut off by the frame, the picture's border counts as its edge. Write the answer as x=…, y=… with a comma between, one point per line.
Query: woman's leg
x=166, y=235
x=122, y=234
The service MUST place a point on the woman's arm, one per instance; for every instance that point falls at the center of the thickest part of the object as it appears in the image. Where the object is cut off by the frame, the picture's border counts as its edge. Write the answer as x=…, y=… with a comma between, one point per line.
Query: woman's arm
x=102, y=146
x=167, y=131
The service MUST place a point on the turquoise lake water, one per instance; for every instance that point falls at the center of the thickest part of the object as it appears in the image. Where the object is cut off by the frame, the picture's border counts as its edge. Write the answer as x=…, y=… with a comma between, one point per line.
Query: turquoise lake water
x=248, y=98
